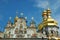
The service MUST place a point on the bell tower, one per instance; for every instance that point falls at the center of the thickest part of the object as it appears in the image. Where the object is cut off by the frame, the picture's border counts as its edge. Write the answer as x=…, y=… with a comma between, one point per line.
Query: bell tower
x=7, y=33
x=48, y=26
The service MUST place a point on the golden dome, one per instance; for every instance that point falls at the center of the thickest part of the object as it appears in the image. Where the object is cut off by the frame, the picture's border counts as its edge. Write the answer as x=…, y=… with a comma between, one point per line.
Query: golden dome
x=48, y=11
x=44, y=13
x=40, y=26
x=49, y=20
x=16, y=18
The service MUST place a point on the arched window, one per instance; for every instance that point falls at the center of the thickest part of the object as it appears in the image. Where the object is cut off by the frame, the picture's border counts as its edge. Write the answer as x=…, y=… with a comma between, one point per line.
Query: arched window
x=16, y=31
x=52, y=31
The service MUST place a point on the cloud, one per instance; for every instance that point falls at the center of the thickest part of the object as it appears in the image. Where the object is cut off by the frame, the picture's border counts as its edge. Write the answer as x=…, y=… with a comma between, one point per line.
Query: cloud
x=47, y=4
x=55, y=6
x=41, y=4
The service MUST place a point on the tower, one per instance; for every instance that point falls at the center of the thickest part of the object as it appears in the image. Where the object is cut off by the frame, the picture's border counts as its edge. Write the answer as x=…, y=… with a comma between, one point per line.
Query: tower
x=32, y=23
x=20, y=27
x=7, y=33
x=31, y=32
x=48, y=26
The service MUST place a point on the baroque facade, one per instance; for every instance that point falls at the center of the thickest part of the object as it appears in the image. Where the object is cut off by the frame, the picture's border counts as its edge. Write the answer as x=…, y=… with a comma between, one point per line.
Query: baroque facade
x=19, y=29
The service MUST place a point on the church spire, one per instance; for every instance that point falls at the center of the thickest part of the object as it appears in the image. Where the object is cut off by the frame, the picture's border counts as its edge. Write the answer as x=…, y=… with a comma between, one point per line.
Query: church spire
x=9, y=20
x=16, y=18
x=32, y=21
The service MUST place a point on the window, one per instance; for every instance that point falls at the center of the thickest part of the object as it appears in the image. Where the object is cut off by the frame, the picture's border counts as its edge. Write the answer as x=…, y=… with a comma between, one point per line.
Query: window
x=52, y=31
x=21, y=32
x=25, y=32
x=28, y=35
x=16, y=31
x=5, y=35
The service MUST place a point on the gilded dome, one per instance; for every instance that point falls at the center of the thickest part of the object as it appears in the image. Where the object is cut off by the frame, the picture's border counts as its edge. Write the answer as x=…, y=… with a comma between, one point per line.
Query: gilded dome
x=44, y=13
x=16, y=18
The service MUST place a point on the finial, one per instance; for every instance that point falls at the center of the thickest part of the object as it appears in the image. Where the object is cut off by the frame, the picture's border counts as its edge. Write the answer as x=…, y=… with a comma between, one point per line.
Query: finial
x=25, y=17
x=16, y=15
x=32, y=18
x=48, y=9
x=21, y=14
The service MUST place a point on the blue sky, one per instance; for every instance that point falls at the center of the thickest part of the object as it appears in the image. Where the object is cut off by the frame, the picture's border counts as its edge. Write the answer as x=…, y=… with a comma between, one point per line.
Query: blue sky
x=30, y=8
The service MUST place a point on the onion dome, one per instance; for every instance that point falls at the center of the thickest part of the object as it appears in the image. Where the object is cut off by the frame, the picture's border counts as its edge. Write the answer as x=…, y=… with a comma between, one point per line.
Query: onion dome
x=44, y=13
x=16, y=18
x=49, y=20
